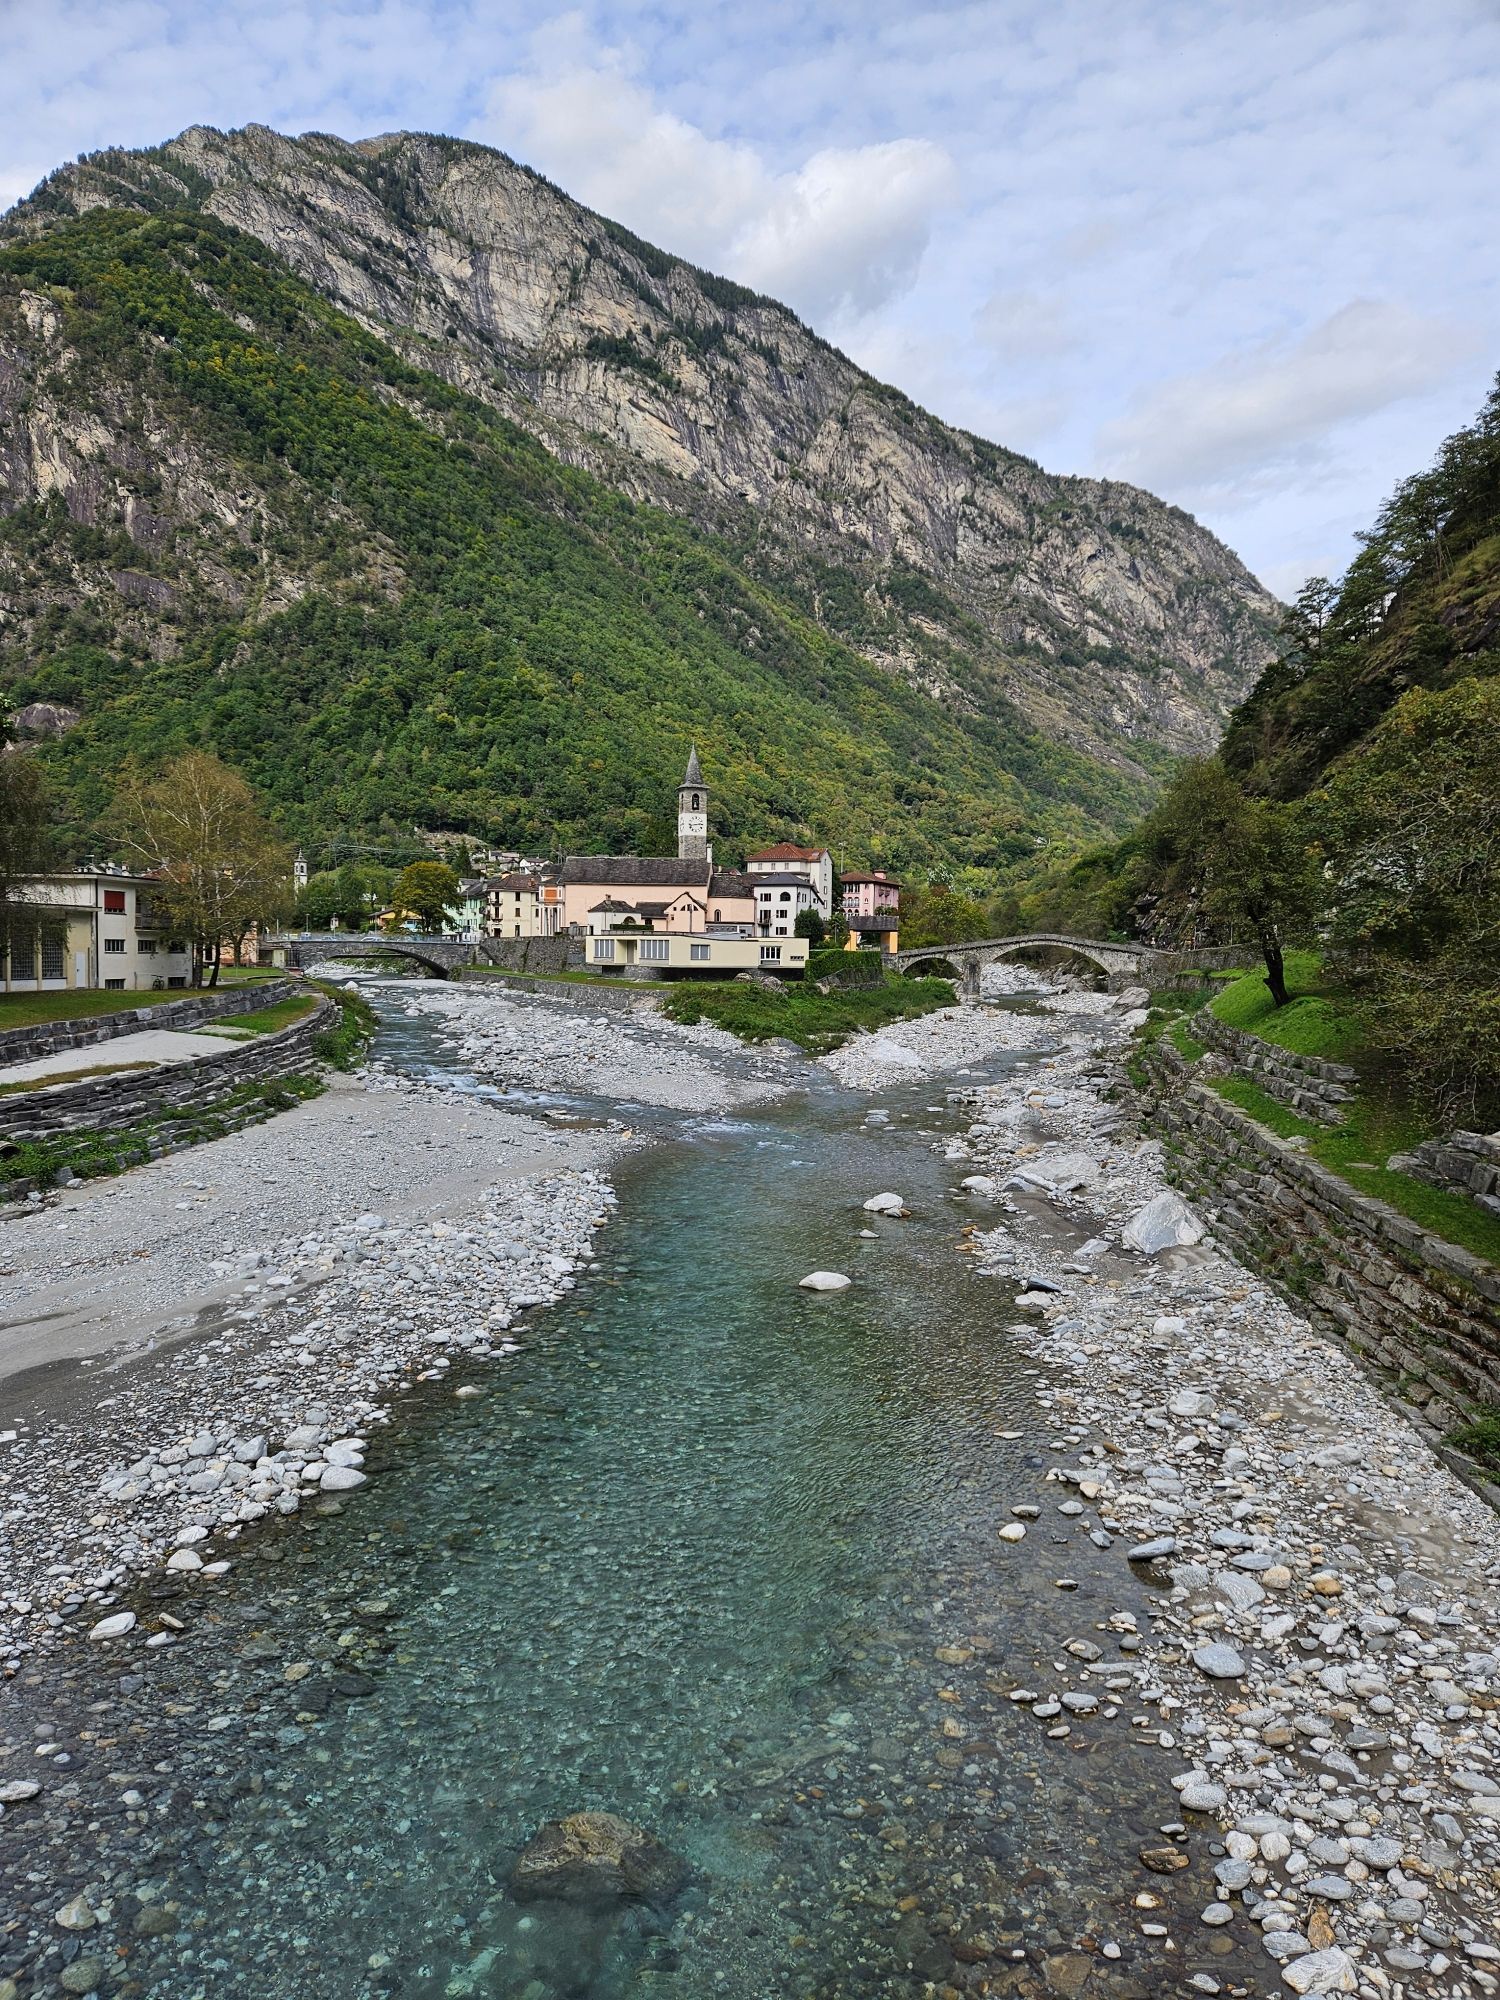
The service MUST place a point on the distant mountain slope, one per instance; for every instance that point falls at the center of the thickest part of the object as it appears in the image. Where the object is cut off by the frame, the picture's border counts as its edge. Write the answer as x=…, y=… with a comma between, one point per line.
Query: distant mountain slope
x=231, y=516
x=1113, y=621
x=1419, y=607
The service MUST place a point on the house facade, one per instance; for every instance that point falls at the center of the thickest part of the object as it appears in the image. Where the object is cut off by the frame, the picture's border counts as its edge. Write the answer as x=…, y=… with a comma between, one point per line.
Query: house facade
x=97, y=928
x=871, y=903
x=780, y=900
x=813, y=865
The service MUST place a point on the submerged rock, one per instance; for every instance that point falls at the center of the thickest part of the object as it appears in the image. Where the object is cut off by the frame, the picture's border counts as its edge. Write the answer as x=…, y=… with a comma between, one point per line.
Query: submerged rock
x=824, y=1281
x=595, y=1856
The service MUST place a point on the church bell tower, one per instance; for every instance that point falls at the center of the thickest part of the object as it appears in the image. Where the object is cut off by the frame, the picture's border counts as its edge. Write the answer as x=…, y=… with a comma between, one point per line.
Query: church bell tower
x=692, y=814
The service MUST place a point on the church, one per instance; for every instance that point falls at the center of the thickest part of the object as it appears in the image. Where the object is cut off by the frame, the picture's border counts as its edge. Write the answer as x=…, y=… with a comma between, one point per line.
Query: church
x=679, y=895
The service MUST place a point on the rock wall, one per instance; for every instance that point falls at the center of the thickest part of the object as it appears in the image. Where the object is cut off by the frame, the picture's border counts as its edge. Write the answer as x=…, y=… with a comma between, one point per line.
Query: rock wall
x=1307, y=1085
x=1424, y=1309
x=106, y=1103
x=193, y=1010
x=1465, y=1163
x=545, y=954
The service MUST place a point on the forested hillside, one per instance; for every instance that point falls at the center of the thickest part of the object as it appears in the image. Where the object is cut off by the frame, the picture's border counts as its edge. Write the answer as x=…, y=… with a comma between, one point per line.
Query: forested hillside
x=1111, y=621
x=238, y=520
x=1354, y=805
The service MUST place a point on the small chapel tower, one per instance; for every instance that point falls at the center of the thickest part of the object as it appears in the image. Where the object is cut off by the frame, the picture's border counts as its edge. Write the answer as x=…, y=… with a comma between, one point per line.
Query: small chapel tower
x=692, y=814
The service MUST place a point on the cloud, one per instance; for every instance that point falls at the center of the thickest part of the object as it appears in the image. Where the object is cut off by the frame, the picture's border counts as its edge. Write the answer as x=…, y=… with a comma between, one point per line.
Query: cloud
x=1221, y=431
x=1025, y=325
x=838, y=237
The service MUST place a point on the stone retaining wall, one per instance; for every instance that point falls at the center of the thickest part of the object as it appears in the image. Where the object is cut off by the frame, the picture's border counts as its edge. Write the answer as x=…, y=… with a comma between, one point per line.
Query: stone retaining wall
x=1424, y=1309
x=105, y=1103
x=542, y=954
x=1465, y=1163
x=1306, y=1084
x=622, y=997
x=193, y=1010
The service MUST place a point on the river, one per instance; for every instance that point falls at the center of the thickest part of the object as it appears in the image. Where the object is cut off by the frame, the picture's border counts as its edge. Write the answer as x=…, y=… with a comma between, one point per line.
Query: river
x=711, y=1553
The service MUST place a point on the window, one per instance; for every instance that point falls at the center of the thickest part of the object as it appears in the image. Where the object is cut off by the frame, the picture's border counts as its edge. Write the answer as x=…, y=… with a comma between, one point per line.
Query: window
x=518, y=930
x=54, y=956
x=114, y=986
x=656, y=948
x=718, y=916
x=770, y=954
x=114, y=899
x=23, y=958
x=604, y=947
x=113, y=945
x=781, y=930
x=699, y=951
x=785, y=896
x=695, y=802
x=146, y=946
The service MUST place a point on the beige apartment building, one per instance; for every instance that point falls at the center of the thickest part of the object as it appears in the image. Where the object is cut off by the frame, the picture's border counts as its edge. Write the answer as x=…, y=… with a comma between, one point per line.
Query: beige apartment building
x=96, y=928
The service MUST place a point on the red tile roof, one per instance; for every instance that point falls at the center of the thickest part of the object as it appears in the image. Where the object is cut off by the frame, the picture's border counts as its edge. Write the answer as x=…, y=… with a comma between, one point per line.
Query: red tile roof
x=784, y=851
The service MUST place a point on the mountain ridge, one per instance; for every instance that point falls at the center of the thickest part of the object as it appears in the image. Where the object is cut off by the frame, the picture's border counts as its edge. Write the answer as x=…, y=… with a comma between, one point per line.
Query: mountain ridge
x=1115, y=622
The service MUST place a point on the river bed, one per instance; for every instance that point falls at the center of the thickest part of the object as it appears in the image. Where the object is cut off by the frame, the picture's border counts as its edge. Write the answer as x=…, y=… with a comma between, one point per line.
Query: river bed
x=708, y=1552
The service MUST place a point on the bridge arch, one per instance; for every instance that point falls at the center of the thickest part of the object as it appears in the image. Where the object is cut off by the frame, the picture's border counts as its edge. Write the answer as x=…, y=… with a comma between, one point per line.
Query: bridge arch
x=442, y=957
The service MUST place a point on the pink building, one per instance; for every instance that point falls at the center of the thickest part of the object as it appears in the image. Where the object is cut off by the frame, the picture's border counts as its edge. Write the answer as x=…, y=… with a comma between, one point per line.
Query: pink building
x=872, y=905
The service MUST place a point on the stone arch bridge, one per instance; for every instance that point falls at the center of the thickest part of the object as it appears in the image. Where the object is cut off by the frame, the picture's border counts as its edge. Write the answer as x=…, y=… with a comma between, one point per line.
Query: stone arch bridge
x=441, y=956
x=1121, y=964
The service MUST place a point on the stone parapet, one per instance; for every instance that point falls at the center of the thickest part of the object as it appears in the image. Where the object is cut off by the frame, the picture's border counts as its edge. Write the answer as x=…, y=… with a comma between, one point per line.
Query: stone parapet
x=1305, y=1084
x=193, y=1010
x=1424, y=1309
x=106, y=1103
x=1465, y=1163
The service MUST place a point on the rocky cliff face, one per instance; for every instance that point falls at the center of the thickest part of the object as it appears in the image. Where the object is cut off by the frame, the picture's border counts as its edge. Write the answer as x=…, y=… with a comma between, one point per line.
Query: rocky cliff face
x=1111, y=619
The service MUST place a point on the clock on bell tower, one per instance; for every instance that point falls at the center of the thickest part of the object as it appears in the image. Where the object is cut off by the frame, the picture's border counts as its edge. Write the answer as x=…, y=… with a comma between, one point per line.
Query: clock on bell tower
x=692, y=814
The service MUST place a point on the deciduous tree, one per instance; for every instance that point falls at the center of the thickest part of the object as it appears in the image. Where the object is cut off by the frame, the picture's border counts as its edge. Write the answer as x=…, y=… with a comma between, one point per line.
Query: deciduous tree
x=1229, y=866
x=220, y=867
x=429, y=890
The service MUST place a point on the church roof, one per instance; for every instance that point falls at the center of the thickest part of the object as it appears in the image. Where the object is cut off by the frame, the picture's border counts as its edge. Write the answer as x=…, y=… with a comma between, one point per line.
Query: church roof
x=635, y=871
x=694, y=774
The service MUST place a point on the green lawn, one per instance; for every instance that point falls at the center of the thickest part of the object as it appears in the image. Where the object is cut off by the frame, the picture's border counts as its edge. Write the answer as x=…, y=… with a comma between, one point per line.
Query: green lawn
x=1317, y=1021
x=34, y=1010
x=265, y=1020
x=815, y=1021
x=1381, y=1120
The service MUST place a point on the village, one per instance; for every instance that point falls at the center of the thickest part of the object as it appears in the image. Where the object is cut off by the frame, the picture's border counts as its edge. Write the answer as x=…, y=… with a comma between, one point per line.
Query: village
x=104, y=926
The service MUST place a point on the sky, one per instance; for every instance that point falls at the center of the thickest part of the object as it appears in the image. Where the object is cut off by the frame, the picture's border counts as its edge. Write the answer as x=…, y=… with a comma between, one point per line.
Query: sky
x=1240, y=252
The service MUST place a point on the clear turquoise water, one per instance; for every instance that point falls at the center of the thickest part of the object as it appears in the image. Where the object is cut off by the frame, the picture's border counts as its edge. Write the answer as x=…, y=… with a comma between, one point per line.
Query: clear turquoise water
x=690, y=1558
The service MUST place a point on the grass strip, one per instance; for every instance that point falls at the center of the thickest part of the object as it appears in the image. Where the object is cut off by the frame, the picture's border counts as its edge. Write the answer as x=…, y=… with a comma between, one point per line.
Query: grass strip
x=815, y=1021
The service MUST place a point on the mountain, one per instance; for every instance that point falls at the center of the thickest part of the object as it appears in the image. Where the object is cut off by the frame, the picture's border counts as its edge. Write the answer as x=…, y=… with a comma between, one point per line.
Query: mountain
x=1418, y=608
x=621, y=502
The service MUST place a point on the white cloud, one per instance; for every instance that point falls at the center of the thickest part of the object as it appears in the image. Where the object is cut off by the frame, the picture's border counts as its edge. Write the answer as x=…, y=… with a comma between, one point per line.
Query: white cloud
x=1222, y=430
x=1024, y=325
x=837, y=238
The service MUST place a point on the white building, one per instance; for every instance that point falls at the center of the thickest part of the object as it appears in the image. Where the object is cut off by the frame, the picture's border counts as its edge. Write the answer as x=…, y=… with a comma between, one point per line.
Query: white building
x=780, y=900
x=97, y=928
x=813, y=865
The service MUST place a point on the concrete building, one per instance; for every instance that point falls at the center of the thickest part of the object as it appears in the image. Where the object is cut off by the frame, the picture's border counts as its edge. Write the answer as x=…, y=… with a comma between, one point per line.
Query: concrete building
x=513, y=906
x=619, y=943
x=780, y=900
x=871, y=903
x=94, y=928
x=813, y=865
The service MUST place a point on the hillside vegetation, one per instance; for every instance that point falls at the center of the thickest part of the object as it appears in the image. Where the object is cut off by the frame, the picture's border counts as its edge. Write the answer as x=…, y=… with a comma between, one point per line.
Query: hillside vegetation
x=1355, y=801
x=385, y=604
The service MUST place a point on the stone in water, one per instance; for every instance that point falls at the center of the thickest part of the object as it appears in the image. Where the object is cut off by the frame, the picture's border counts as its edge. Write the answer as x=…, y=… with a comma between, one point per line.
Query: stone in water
x=824, y=1281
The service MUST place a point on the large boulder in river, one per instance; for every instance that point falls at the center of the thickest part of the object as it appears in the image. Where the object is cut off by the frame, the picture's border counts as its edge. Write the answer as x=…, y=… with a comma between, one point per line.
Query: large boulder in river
x=1164, y=1224
x=592, y=1857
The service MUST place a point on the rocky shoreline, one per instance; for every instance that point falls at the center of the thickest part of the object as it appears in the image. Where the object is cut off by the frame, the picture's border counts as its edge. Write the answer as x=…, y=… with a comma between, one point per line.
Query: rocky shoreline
x=1321, y=1672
